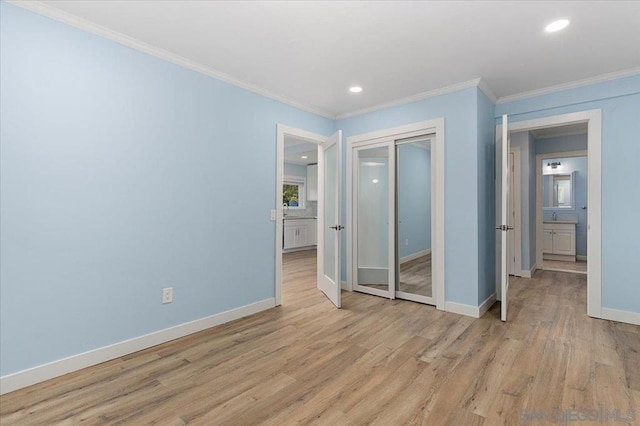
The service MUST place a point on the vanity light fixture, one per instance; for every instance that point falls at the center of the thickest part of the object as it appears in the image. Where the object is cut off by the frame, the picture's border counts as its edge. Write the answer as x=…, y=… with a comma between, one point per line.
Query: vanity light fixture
x=558, y=25
x=554, y=165
x=355, y=89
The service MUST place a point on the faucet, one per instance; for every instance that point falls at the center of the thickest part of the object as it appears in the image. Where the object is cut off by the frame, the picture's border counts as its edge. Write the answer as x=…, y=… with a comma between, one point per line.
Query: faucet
x=554, y=216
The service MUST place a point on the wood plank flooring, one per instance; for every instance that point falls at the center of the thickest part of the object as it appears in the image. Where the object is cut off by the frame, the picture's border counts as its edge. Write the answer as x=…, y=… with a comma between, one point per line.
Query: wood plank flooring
x=376, y=361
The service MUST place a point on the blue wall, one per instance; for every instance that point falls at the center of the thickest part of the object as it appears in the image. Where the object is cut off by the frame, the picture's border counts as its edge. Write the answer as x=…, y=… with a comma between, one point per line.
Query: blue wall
x=117, y=172
x=414, y=199
x=619, y=101
x=561, y=144
x=461, y=169
x=486, y=198
x=578, y=165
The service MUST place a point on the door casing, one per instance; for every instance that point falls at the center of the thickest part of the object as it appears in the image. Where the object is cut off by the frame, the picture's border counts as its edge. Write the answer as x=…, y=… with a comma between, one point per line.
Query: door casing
x=593, y=118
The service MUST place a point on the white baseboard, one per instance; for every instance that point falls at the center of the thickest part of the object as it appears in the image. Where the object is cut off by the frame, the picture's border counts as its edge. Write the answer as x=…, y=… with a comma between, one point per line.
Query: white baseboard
x=581, y=257
x=461, y=309
x=31, y=376
x=484, y=306
x=530, y=272
x=415, y=256
x=621, y=316
x=470, y=310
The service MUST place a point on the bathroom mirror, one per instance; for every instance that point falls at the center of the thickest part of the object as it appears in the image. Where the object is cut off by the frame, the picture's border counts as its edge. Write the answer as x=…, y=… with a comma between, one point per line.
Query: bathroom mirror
x=558, y=191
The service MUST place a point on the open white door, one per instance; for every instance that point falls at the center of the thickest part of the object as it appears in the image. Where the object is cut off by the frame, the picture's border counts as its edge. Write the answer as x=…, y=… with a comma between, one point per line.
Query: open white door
x=504, y=227
x=329, y=225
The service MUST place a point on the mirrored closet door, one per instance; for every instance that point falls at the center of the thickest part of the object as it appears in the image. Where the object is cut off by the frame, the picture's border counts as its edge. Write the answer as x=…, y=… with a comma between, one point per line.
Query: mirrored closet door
x=413, y=220
x=392, y=219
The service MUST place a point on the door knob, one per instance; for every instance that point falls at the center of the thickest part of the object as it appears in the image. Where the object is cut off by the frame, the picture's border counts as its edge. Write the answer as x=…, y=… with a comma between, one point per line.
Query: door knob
x=337, y=227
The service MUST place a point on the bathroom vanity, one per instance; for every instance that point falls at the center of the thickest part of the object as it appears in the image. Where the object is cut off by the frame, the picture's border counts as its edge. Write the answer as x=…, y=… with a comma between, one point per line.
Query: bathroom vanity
x=559, y=240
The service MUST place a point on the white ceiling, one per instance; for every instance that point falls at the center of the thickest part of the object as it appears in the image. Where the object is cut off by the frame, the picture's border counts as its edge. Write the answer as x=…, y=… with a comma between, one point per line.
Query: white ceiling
x=295, y=148
x=554, y=132
x=309, y=53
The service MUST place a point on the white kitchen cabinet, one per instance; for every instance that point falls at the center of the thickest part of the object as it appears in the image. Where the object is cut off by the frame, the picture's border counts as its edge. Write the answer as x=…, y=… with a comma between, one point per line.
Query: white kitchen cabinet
x=559, y=242
x=299, y=233
x=312, y=182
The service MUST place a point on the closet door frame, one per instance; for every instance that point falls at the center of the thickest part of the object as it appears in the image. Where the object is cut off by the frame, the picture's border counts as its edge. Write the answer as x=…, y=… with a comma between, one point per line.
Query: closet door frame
x=390, y=136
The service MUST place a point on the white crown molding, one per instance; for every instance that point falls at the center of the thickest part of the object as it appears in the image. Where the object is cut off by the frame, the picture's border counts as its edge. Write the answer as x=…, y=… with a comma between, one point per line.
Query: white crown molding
x=41, y=8
x=418, y=97
x=484, y=86
x=571, y=85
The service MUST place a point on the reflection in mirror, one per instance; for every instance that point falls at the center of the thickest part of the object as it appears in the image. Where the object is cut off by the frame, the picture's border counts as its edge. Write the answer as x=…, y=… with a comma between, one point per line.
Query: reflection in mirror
x=413, y=192
x=373, y=218
x=557, y=191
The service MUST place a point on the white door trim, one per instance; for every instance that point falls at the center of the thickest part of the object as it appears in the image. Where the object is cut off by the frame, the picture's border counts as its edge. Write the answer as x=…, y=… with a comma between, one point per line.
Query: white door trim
x=437, y=218
x=283, y=130
x=593, y=118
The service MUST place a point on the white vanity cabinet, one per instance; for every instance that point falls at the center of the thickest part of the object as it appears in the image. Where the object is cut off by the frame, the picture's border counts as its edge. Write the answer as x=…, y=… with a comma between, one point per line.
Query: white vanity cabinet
x=299, y=233
x=559, y=241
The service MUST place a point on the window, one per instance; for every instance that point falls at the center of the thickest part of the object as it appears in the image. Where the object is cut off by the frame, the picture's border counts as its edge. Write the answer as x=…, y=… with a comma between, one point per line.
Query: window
x=293, y=194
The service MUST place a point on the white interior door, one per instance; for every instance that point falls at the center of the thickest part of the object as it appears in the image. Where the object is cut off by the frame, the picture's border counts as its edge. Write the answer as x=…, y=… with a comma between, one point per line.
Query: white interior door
x=504, y=227
x=329, y=224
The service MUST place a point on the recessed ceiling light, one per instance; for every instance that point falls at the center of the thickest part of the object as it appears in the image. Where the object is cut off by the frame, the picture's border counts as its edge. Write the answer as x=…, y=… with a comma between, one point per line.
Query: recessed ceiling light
x=304, y=156
x=558, y=25
x=355, y=89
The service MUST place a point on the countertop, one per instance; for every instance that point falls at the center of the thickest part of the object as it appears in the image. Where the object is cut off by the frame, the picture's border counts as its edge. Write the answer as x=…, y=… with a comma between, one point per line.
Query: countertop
x=299, y=217
x=572, y=222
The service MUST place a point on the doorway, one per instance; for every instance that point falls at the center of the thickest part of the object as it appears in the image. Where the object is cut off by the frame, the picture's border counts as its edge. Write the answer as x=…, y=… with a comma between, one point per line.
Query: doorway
x=592, y=224
x=395, y=213
x=562, y=182
x=307, y=213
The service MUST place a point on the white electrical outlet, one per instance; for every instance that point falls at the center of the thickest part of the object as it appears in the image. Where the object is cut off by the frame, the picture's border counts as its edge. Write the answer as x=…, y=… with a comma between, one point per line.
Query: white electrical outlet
x=167, y=295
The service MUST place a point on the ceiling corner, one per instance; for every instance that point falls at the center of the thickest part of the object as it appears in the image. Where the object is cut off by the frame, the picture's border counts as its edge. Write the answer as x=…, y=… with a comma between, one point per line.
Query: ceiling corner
x=486, y=89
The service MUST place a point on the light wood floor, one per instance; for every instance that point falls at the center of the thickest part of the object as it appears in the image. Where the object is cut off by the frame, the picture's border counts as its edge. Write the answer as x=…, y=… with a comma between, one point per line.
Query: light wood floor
x=376, y=361
x=559, y=265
